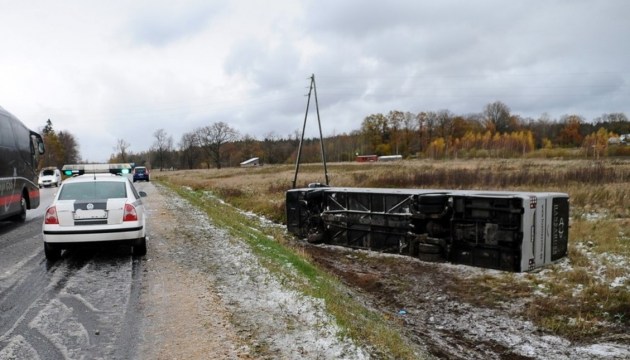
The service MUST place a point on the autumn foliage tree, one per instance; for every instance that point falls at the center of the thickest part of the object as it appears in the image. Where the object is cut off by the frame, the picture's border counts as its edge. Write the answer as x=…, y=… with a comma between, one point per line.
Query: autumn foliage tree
x=492, y=132
x=375, y=130
x=570, y=132
x=596, y=144
x=61, y=148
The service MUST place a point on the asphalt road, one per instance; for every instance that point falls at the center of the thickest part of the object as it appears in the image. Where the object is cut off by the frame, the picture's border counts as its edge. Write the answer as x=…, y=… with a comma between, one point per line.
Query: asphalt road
x=82, y=306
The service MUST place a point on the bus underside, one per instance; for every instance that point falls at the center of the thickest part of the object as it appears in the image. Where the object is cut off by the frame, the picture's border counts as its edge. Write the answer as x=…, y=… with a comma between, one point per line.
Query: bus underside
x=512, y=231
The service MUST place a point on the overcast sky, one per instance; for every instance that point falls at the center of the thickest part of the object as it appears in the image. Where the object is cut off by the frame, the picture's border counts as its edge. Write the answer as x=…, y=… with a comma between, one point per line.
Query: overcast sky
x=109, y=70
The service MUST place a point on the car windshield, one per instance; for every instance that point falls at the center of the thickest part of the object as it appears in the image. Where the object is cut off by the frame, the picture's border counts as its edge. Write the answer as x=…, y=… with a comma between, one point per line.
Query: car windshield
x=48, y=172
x=93, y=190
x=139, y=170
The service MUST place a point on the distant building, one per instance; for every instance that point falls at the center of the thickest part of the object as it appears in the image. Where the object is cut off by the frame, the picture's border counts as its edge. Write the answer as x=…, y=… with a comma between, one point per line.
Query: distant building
x=623, y=139
x=251, y=162
x=366, y=158
x=614, y=140
x=390, y=158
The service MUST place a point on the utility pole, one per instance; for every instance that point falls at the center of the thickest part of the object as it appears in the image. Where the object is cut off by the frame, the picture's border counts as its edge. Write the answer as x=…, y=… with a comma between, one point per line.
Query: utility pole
x=312, y=90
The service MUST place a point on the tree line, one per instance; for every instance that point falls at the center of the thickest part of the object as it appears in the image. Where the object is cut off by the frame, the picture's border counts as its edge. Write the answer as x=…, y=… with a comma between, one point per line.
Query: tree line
x=494, y=132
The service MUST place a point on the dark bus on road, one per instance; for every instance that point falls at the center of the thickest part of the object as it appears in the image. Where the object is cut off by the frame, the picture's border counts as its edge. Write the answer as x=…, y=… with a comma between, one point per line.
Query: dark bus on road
x=19, y=149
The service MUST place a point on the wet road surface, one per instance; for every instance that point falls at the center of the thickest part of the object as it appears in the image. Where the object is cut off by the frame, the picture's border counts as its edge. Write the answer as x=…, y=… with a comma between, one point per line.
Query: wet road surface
x=83, y=306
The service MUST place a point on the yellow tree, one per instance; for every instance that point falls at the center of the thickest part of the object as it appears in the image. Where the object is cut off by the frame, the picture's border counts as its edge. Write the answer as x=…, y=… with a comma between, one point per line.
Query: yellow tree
x=436, y=148
x=469, y=141
x=596, y=143
x=486, y=140
x=528, y=143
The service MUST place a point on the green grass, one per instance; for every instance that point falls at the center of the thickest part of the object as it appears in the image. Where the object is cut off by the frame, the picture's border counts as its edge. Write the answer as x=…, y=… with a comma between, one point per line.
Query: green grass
x=294, y=270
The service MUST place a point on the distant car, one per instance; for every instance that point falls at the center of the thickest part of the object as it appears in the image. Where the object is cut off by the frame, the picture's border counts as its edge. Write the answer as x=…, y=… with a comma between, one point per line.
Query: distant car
x=140, y=173
x=49, y=176
x=95, y=206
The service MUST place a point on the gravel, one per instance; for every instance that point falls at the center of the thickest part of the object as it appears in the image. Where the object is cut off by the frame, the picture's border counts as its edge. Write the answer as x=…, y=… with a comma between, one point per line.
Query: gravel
x=207, y=296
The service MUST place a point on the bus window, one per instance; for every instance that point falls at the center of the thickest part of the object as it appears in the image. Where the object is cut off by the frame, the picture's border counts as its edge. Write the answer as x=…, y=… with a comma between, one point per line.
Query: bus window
x=39, y=143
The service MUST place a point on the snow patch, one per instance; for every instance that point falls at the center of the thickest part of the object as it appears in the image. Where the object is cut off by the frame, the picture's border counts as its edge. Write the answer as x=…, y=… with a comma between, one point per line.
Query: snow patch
x=61, y=326
x=283, y=321
x=18, y=348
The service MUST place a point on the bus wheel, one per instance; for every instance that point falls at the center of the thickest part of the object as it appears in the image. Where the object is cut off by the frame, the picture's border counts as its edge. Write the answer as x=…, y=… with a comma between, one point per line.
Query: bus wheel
x=21, y=217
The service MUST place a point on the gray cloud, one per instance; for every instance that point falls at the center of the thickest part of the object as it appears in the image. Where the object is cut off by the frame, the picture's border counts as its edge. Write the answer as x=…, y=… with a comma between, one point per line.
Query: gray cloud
x=158, y=24
x=117, y=69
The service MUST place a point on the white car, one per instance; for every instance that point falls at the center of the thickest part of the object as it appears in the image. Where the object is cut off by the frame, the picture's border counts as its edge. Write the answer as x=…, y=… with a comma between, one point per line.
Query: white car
x=95, y=206
x=49, y=176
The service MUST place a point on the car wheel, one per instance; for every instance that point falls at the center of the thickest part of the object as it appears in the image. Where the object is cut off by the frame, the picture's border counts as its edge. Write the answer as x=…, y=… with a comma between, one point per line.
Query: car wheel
x=140, y=248
x=52, y=252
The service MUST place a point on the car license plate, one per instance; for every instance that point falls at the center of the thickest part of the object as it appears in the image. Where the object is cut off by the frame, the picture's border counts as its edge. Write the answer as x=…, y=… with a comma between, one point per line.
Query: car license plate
x=90, y=214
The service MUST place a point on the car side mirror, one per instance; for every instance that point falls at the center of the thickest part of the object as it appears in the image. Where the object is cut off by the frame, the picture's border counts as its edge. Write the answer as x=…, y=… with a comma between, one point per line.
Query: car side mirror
x=142, y=193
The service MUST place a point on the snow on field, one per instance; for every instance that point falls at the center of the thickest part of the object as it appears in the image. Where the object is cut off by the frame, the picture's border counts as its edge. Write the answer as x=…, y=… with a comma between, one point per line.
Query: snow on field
x=461, y=330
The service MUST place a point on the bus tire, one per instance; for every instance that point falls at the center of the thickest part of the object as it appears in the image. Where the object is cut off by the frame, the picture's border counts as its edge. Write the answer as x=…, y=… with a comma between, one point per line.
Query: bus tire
x=21, y=217
x=428, y=249
x=430, y=257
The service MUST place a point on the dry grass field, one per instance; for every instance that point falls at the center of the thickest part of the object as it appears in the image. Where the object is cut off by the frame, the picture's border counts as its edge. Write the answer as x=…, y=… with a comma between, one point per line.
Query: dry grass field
x=584, y=297
x=597, y=189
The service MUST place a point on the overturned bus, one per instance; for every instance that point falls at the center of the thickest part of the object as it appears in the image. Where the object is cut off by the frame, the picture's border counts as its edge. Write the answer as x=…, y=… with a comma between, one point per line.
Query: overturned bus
x=512, y=231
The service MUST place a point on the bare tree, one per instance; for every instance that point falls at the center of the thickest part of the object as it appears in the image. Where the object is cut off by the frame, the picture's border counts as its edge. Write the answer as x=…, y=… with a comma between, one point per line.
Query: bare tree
x=187, y=146
x=427, y=123
x=497, y=117
x=121, y=149
x=444, y=123
x=212, y=137
x=162, y=146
